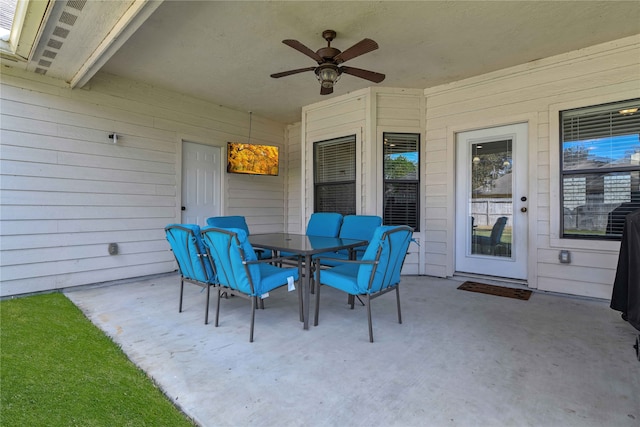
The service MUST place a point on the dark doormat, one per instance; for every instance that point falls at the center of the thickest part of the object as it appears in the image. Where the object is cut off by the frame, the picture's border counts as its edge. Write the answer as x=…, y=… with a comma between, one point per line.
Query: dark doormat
x=500, y=291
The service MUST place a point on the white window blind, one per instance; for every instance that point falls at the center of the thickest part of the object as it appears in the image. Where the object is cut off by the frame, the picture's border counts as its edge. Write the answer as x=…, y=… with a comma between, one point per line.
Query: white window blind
x=600, y=168
x=401, y=169
x=335, y=160
x=7, y=13
x=335, y=175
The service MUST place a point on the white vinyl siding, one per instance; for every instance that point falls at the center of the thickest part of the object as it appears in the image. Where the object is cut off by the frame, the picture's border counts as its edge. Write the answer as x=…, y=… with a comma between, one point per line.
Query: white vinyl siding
x=68, y=191
x=293, y=209
x=367, y=113
x=534, y=93
x=403, y=110
x=343, y=116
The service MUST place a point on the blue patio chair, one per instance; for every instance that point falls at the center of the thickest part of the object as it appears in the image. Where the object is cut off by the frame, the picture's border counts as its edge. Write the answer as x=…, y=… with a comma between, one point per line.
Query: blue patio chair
x=323, y=224
x=193, y=262
x=240, y=272
x=358, y=227
x=377, y=273
x=237, y=221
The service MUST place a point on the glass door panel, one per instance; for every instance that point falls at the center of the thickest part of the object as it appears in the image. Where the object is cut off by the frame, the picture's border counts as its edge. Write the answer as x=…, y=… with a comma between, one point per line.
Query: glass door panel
x=491, y=201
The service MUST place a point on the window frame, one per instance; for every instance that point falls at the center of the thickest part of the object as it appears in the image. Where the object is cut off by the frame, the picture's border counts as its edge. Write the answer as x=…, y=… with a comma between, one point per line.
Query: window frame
x=608, y=170
x=415, y=182
x=25, y=29
x=350, y=138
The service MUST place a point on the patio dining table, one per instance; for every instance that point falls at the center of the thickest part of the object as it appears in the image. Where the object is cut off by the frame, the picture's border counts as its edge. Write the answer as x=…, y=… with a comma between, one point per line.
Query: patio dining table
x=305, y=246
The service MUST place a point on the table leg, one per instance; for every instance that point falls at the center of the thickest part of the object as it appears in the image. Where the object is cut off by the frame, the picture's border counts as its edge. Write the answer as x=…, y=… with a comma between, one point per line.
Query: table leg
x=307, y=290
x=300, y=286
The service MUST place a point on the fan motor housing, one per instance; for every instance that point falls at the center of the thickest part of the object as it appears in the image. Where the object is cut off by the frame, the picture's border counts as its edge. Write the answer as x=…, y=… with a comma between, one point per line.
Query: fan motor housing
x=328, y=53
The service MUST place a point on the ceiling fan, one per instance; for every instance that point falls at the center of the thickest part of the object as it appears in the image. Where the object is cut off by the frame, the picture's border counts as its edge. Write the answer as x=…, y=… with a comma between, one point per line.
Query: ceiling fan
x=329, y=59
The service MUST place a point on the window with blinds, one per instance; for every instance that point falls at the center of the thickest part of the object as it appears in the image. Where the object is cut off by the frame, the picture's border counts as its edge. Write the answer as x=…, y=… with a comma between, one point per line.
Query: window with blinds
x=7, y=13
x=600, y=169
x=334, y=175
x=401, y=169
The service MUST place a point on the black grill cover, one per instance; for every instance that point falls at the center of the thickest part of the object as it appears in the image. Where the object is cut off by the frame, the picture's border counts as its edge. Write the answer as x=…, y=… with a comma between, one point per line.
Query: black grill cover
x=626, y=287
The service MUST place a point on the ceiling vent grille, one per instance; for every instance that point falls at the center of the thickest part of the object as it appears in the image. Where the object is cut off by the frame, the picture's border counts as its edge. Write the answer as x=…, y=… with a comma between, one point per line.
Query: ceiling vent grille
x=61, y=32
x=54, y=44
x=67, y=18
x=49, y=54
x=76, y=4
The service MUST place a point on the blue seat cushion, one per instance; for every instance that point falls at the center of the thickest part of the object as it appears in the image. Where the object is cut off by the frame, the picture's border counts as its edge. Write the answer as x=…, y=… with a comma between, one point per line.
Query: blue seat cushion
x=273, y=277
x=343, y=277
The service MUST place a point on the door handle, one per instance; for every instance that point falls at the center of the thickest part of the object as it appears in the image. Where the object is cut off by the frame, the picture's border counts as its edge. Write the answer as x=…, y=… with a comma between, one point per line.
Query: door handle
x=183, y=209
x=523, y=209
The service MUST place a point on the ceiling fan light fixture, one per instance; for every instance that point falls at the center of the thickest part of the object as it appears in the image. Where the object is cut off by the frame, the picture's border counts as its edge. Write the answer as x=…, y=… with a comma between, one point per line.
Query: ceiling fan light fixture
x=329, y=61
x=328, y=76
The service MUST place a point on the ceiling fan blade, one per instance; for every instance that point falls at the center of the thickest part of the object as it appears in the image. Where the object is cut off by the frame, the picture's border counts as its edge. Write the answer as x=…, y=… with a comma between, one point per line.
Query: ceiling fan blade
x=302, y=48
x=288, y=73
x=326, y=90
x=360, y=48
x=363, y=74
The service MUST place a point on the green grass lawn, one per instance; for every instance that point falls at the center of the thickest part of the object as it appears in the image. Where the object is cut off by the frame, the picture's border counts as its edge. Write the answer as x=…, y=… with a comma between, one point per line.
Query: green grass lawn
x=486, y=231
x=58, y=369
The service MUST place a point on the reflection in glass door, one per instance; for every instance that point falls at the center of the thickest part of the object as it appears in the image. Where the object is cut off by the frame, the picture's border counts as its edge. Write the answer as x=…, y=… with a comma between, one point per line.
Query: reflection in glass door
x=491, y=201
x=491, y=198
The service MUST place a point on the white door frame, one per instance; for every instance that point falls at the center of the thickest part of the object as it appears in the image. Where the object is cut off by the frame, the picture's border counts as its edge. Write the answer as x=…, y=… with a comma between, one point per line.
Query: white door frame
x=516, y=266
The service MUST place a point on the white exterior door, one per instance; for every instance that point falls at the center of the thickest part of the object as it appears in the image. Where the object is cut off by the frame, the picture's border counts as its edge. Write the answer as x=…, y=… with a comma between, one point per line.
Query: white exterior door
x=201, y=182
x=491, y=201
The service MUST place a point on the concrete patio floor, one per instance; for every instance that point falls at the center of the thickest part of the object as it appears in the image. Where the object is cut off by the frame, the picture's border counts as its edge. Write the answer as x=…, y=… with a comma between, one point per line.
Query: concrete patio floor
x=458, y=359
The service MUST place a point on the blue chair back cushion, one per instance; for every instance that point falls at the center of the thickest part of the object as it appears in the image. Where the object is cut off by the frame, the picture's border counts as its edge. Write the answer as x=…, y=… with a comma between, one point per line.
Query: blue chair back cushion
x=251, y=279
x=190, y=252
x=393, y=246
x=236, y=221
x=326, y=224
x=224, y=246
x=232, y=221
x=359, y=226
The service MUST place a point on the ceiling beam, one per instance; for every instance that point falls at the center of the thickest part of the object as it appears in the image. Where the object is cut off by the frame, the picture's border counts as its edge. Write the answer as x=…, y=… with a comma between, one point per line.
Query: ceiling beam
x=134, y=17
